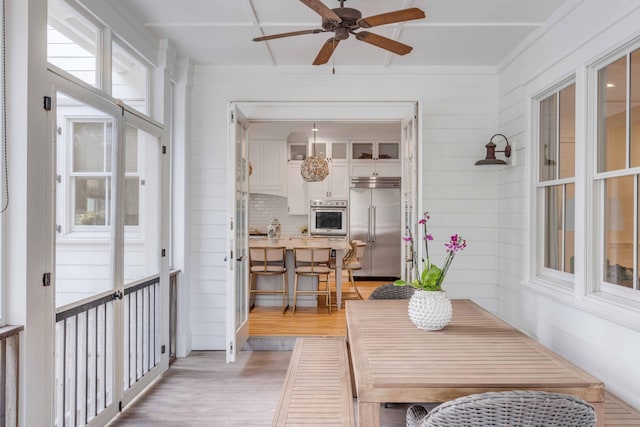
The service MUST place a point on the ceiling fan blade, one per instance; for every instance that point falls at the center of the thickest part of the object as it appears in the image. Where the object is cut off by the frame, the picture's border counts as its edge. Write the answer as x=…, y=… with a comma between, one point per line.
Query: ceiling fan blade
x=384, y=42
x=323, y=10
x=326, y=51
x=292, y=33
x=391, y=17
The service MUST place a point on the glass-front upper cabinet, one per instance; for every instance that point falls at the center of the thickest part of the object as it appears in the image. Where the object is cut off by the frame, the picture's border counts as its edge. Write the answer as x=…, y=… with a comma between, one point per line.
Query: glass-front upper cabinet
x=377, y=150
x=331, y=150
x=297, y=151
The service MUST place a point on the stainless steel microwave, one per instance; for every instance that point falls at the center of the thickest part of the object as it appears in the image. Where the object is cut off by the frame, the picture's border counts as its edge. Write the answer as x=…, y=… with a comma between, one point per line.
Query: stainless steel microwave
x=328, y=217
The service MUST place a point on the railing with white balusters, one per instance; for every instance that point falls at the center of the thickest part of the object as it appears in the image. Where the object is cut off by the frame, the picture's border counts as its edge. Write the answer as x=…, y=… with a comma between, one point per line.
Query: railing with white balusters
x=85, y=349
x=9, y=374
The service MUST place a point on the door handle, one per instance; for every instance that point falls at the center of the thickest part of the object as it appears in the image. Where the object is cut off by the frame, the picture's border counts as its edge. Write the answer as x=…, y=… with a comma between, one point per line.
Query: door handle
x=242, y=258
x=373, y=239
x=369, y=225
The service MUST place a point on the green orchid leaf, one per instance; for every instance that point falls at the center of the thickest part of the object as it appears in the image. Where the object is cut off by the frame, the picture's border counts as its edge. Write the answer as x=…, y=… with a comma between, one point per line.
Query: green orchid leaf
x=400, y=283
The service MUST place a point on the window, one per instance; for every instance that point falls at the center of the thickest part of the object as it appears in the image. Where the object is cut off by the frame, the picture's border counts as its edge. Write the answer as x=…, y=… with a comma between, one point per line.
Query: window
x=72, y=42
x=129, y=78
x=617, y=173
x=556, y=181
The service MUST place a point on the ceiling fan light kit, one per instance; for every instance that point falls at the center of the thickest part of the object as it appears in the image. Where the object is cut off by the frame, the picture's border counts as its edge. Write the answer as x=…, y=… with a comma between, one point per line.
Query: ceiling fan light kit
x=343, y=21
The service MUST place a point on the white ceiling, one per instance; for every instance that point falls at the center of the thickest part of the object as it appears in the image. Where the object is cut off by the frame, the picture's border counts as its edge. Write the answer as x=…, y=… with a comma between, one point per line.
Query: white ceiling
x=455, y=32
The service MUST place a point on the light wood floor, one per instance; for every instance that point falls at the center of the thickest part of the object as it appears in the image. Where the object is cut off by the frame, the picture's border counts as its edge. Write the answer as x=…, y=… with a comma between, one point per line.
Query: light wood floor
x=308, y=321
x=202, y=390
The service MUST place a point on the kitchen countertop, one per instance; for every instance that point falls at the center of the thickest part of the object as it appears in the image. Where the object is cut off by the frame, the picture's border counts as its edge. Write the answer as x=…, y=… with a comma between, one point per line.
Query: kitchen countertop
x=339, y=244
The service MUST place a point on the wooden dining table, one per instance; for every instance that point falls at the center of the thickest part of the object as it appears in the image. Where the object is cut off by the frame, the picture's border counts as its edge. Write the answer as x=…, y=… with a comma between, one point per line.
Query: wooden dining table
x=393, y=361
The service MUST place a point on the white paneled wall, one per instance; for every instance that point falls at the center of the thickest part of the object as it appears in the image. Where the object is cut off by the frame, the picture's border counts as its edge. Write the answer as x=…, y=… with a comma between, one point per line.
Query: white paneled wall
x=581, y=33
x=459, y=108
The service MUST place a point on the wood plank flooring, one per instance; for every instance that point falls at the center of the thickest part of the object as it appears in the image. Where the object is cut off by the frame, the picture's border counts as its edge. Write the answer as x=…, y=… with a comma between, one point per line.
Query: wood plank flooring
x=202, y=390
x=308, y=321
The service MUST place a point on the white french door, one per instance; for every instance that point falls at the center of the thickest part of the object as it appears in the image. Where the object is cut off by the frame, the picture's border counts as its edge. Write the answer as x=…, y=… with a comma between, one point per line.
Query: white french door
x=108, y=294
x=237, y=257
x=411, y=177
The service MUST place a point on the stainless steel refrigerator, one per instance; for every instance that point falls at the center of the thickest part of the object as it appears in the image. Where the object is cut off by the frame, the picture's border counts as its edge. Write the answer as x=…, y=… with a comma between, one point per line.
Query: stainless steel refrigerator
x=375, y=213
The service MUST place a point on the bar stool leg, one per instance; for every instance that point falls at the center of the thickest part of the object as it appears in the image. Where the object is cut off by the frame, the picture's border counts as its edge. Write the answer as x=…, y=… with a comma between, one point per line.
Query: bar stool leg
x=295, y=293
x=353, y=284
x=285, y=292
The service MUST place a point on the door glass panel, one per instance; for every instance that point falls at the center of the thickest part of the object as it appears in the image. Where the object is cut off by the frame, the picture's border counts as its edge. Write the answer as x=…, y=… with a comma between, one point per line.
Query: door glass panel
x=569, y=227
x=618, y=231
x=612, y=116
x=141, y=204
x=83, y=266
x=320, y=149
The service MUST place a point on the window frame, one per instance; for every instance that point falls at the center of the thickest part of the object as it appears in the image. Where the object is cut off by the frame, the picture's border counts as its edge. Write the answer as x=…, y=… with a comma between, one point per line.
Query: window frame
x=555, y=277
x=596, y=181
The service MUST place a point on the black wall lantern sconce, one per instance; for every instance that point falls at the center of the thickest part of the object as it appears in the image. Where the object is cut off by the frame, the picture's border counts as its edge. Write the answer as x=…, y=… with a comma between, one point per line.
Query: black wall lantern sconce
x=491, y=152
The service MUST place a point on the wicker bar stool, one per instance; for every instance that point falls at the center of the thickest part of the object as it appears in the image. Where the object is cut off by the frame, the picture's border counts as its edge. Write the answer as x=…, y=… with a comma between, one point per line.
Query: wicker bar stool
x=351, y=262
x=312, y=262
x=268, y=261
x=519, y=408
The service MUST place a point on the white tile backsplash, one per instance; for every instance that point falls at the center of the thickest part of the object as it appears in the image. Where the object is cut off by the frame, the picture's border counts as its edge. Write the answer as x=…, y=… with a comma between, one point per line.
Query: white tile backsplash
x=264, y=207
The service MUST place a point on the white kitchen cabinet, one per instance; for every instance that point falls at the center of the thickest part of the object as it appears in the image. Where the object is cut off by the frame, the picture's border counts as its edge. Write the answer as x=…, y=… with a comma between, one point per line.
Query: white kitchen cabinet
x=375, y=158
x=335, y=185
x=268, y=162
x=297, y=198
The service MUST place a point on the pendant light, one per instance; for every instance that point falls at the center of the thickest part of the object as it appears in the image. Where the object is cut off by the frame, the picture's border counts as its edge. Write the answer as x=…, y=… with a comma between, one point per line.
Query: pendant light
x=314, y=168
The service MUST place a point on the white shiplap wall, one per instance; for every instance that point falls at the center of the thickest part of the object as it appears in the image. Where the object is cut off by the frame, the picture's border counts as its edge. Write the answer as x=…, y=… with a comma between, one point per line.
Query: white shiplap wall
x=575, y=327
x=459, y=115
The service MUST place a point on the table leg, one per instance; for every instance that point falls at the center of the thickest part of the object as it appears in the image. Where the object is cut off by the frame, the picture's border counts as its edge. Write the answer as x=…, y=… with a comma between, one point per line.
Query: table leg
x=368, y=414
x=599, y=407
x=339, y=255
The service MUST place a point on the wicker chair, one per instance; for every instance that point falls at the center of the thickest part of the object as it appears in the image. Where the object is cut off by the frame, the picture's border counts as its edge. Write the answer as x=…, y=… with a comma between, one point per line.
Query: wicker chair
x=506, y=409
x=391, y=291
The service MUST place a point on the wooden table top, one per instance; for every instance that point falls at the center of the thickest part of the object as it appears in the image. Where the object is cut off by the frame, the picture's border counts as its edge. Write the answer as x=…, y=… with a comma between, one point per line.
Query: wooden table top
x=393, y=361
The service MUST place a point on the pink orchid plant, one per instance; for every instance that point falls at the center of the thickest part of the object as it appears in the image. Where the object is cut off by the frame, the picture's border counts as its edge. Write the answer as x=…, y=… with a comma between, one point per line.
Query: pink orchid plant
x=431, y=276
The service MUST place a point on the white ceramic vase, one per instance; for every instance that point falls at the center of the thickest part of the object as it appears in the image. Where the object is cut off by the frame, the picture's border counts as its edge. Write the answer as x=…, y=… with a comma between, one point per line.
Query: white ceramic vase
x=430, y=310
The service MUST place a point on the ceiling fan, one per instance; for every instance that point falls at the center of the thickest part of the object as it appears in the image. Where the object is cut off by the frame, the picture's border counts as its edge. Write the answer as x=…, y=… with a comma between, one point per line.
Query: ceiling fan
x=343, y=21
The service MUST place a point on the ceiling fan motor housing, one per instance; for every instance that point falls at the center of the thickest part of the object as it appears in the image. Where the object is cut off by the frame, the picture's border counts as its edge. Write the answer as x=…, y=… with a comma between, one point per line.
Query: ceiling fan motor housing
x=349, y=17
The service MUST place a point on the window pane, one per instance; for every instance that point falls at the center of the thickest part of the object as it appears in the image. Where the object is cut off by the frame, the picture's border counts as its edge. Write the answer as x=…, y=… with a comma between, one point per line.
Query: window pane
x=129, y=78
x=90, y=201
x=618, y=230
x=553, y=227
x=634, y=131
x=612, y=120
x=548, y=138
x=569, y=227
x=71, y=42
x=88, y=146
x=567, y=131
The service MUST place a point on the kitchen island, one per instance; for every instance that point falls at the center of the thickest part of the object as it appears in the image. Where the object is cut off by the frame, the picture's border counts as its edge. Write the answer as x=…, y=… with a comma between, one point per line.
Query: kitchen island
x=339, y=244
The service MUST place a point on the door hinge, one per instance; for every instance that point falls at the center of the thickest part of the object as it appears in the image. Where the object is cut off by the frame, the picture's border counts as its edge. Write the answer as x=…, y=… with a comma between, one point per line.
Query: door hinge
x=59, y=130
x=120, y=406
x=164, y=149
x=164, y=252
x=46, y=279
x=59, y=228
x=47, y=103
x=231, y=346
x=163, y=349
x=59, y=178
x=232, y=117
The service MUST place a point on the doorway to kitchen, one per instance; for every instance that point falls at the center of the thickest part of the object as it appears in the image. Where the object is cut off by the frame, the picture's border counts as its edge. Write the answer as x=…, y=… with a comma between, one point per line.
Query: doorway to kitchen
x=373, y=139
